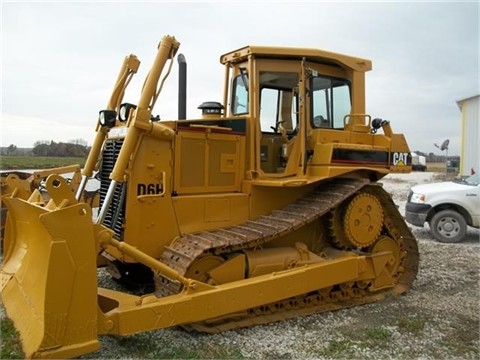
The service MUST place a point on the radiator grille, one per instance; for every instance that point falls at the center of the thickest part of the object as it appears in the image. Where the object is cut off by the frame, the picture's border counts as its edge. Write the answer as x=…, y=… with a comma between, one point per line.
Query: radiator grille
x=114, y=218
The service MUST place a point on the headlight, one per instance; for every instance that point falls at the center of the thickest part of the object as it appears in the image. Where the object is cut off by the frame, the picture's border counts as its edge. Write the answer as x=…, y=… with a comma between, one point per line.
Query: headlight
x=417, y=198
x=107, y=118
x=125, y=111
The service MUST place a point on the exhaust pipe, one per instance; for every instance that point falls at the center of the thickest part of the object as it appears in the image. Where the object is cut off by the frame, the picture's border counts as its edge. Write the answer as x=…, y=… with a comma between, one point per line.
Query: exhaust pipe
x=182, y=87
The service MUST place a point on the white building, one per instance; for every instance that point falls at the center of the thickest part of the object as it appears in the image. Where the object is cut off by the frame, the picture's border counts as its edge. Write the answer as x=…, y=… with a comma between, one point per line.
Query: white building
x=470, y=151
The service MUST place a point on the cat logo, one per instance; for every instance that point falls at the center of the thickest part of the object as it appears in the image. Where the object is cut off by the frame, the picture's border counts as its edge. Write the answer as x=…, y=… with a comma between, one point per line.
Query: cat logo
x=400, y=159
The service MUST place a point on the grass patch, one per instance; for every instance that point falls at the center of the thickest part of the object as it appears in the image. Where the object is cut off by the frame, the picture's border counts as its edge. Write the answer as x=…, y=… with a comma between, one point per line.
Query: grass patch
x=411, y=325
x=463, y=341
x=10, y=347
x=464, y=350
x=378, y=337
x=378, y=334
x=9, y=162
x=359, y=337
x=152, y=345
x=341, y=348
x=210, y=351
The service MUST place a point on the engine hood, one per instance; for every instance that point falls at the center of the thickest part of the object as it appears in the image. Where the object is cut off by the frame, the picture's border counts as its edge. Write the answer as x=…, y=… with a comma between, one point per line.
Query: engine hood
x=440, y=187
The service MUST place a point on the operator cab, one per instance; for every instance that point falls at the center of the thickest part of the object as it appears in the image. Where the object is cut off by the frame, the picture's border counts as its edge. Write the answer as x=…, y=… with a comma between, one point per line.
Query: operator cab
x=291, y=94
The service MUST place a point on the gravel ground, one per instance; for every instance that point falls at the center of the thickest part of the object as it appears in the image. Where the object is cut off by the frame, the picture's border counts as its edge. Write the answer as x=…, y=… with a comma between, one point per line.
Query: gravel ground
x=437, y=319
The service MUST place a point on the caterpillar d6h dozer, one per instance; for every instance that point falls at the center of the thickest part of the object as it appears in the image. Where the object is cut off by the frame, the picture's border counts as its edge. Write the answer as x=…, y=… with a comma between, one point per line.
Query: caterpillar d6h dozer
x=265, y=208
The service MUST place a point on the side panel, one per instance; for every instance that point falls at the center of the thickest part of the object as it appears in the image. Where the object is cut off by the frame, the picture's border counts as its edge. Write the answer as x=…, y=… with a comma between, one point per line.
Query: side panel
x=208, y=161
x=150, y=221
x=205, y=212
x=208, y=173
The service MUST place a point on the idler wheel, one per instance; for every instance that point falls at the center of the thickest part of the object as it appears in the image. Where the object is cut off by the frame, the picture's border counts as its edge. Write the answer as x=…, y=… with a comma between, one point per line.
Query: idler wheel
x=199, y=269
x=386, y=243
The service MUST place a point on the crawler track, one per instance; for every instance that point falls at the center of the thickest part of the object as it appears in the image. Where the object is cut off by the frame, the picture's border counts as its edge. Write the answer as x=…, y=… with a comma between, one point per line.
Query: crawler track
x=188, y=249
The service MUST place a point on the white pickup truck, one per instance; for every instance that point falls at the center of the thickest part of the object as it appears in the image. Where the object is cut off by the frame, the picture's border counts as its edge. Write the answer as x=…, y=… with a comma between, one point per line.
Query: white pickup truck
x=448, y=207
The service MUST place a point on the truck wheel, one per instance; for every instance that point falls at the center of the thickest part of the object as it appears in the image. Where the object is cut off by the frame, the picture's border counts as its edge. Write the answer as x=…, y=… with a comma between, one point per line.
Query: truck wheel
x=448, y=226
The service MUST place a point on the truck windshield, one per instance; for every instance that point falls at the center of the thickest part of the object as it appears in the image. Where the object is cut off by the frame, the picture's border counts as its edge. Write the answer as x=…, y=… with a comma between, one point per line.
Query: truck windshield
x=473, y=180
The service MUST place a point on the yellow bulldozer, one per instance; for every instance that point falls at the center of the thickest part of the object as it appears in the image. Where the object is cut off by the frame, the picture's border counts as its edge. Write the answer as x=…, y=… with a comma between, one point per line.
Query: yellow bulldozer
x=265, y=207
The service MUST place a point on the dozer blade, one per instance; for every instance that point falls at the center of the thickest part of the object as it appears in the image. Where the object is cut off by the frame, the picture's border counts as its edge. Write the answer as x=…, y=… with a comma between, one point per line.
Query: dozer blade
x=49, y=280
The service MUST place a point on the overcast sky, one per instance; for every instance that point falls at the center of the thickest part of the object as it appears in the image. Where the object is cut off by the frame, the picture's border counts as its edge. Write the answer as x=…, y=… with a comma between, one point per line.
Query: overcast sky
x=60, y=59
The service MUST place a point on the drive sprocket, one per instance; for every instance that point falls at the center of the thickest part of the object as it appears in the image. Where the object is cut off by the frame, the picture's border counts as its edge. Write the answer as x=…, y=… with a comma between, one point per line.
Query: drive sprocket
x=357, y=223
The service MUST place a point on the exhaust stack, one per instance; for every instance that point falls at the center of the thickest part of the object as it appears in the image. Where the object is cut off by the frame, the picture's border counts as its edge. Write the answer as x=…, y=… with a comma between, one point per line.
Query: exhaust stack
x=182, y=87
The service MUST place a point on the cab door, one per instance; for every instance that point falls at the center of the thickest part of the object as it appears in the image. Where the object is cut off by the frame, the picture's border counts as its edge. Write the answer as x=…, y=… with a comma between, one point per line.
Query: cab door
x=280, y=130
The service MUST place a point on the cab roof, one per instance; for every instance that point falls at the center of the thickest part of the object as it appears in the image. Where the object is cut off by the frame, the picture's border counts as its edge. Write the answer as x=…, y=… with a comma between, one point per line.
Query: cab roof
x=291, y=53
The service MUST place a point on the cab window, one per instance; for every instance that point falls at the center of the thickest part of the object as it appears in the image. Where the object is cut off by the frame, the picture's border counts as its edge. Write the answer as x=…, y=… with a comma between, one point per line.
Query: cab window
x=331, y=102
x=240, y=95
x=278, y=101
